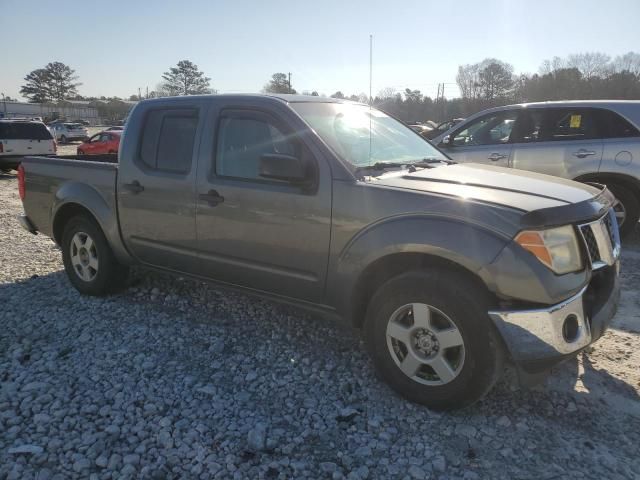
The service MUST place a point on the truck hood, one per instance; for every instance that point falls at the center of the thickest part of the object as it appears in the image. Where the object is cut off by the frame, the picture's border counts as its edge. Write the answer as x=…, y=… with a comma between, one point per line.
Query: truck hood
x=515, y=189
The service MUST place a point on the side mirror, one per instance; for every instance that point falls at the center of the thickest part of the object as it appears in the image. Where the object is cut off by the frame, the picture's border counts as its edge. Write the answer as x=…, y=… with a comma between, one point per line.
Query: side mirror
x=446, y=141
x=278, y=166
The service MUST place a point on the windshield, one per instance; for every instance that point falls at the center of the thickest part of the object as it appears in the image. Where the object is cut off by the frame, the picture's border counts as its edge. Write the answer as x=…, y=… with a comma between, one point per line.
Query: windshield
x=365, y=136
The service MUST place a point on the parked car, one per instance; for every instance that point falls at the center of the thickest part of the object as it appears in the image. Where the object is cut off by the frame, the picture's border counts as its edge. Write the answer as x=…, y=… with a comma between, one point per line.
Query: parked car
x=586, y=141
x=441, y=128
x=19, y=138
x=449, y=268
x=115, y=128
x=68, y=132
x=101, y=143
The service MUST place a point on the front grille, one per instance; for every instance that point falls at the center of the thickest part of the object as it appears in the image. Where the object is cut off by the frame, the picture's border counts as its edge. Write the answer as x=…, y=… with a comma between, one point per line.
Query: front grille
x=608, y=222
x=590, y=242
x=601, y=241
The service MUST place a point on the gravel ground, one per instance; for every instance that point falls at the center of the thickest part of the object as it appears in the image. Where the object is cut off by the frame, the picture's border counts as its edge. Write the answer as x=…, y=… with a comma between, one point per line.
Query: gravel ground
x=177, y=379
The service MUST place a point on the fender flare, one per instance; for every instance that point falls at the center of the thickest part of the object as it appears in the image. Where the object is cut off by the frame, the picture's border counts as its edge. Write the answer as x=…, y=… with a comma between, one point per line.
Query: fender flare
x=467, y=245
x=78, y=194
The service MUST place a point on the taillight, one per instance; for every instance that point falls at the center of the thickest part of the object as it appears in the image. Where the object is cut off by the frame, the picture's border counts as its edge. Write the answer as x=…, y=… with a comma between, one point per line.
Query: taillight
x=21, y=189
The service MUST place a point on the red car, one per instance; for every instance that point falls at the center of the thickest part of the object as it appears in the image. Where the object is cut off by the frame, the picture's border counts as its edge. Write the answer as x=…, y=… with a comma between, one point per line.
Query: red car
x=101, y=143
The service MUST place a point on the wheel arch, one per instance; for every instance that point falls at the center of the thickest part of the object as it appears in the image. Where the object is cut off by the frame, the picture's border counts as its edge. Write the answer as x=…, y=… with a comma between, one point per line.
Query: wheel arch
x=80, y=199
x=391, y=248
x=389, y=266
x=606, y=178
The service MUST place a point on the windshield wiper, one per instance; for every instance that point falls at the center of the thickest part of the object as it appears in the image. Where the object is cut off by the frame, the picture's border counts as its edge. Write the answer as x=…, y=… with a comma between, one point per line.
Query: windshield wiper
x=378, y=166
x=431, y=160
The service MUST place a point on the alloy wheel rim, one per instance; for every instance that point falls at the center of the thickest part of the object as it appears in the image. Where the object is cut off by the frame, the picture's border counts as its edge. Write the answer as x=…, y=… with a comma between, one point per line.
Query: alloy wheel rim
x=620, y=212
x=84, y=256
x=425, y=344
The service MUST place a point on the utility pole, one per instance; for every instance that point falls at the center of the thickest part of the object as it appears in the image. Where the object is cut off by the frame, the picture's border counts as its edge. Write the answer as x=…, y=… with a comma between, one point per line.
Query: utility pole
x=289, y=82
x=139, y=94
x=147, y=96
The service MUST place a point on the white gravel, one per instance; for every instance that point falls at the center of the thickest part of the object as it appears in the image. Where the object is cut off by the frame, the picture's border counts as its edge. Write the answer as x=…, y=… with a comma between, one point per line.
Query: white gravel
x=177, y=379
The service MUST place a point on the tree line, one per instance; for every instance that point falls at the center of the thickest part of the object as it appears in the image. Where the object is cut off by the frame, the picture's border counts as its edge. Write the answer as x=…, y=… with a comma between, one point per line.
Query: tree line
x=488, y=83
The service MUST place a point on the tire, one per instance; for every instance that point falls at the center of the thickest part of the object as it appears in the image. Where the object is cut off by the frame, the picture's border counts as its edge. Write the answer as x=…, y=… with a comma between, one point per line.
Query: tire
x=63, y=139
x=454, y=304
x=111, y=152
x=628, y=210
x=80, y=152
x=88, y=259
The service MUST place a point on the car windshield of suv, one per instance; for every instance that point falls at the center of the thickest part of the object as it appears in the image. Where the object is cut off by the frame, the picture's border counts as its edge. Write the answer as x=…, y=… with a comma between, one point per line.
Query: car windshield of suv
x=73, y=126
x=364, y=136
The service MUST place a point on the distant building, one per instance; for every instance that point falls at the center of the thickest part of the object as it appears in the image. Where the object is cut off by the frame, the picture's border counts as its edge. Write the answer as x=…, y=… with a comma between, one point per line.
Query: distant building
x=46, y=111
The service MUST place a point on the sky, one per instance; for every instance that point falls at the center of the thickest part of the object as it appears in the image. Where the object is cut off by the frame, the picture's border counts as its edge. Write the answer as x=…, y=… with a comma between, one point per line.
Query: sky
x=118, y=46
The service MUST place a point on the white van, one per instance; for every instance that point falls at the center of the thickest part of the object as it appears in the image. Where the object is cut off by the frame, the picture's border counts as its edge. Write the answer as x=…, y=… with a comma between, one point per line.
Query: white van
x=19, y=138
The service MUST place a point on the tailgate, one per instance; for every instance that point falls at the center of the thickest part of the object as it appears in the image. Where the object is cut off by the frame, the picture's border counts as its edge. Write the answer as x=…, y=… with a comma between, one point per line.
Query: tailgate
x=52, y=181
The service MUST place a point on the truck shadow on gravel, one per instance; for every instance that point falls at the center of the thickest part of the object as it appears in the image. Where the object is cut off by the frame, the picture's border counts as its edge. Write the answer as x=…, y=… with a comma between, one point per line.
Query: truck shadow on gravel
x=175, y=305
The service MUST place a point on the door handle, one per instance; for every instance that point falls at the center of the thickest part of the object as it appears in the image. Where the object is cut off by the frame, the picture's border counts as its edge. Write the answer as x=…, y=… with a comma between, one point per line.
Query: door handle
x=494, y=157
x=212, y=197
x=583, y=153
x=133, y=187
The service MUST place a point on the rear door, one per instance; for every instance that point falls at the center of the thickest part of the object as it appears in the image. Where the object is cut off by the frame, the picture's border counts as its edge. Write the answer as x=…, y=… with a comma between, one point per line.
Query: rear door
x=560, y=141
x=483, y=140
x=264, y=234
x=156, y=186
x=621, y=142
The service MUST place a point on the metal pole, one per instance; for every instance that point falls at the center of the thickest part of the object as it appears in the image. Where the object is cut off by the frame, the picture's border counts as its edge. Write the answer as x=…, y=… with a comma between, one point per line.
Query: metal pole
x=370, y=69
x=289, y=82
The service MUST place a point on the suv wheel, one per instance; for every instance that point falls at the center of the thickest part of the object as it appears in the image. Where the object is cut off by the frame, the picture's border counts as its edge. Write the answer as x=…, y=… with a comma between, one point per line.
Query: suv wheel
x=88, y=259
x=431, y=339
x=627, y=209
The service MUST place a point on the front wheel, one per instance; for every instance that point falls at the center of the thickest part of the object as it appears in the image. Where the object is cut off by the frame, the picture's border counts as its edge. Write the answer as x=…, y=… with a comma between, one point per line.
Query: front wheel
x=431, y=339
x=626, y=208
x=88, y=259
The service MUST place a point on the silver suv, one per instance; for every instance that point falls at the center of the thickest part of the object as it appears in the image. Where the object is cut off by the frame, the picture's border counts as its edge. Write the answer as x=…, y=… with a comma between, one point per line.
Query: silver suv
x=587, y=141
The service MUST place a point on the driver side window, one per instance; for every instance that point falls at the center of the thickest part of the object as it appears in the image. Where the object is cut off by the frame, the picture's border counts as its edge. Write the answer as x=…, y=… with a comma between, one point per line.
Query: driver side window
x=493, y=129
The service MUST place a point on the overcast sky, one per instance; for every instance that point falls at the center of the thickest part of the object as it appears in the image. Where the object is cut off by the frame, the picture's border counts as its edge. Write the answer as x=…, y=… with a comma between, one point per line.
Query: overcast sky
x=119, y=46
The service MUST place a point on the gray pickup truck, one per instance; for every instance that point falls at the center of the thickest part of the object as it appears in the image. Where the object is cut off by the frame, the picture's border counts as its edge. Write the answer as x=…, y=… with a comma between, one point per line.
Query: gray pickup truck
x=449, y=269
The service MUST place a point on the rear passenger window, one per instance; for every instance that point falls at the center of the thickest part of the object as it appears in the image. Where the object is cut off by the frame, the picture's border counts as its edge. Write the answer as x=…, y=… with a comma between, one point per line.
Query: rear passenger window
x=24, y=131
x=614, y=126
x=569, y=124
x=167, y=139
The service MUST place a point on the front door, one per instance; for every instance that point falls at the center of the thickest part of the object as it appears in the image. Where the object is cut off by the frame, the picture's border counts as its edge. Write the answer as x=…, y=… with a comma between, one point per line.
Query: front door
x=269, y=235
x=156, y=188
x=483, y=140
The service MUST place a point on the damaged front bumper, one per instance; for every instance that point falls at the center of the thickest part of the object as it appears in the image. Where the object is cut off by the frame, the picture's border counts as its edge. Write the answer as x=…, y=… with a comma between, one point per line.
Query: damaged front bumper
x=539, y=338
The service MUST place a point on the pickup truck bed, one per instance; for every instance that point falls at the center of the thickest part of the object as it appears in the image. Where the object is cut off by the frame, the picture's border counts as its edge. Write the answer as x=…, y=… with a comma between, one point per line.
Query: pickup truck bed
x=52, y=178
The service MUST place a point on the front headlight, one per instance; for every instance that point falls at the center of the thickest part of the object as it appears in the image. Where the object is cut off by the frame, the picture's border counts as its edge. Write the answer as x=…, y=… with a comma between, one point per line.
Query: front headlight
x=557, y=248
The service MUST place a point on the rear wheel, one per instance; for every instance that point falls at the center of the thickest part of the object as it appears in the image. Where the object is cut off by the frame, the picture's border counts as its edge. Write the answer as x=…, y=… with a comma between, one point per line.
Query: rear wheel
x=431, y=339
x=88, y=259
x=80, y=152
x=627, y=208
